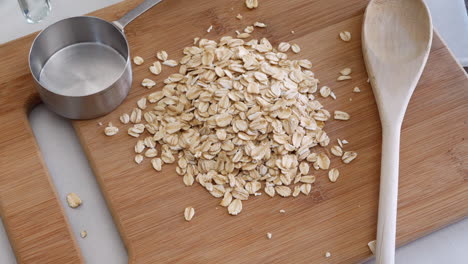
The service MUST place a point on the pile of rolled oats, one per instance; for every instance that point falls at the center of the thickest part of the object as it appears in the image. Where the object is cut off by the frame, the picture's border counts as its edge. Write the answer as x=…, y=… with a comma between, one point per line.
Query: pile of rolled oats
x=239, y=117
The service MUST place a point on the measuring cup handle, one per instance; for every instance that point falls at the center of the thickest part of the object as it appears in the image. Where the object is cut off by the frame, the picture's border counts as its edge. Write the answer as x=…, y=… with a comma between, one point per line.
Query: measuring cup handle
x=130, y=16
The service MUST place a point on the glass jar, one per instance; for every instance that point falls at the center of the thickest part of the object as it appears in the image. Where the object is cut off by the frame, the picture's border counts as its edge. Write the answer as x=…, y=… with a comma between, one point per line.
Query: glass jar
x=35, y=10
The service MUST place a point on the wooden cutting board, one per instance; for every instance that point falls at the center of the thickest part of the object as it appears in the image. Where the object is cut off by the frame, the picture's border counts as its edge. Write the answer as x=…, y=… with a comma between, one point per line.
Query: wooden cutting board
x=148, y=206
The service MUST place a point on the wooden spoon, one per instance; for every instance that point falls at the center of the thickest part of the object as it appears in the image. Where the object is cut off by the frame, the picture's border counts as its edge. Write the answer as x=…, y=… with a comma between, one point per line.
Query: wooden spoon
x=396, y=40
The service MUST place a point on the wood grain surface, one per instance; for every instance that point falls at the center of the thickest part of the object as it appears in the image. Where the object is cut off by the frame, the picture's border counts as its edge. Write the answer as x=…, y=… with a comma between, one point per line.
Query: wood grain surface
x=148, y=206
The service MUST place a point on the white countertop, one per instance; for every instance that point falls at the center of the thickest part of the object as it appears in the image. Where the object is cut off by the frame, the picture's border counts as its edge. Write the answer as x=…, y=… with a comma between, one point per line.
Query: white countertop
x=73, y=174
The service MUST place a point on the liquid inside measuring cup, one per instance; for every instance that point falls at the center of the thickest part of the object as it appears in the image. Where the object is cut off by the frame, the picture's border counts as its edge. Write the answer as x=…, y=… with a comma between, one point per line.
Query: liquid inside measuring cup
x=82, y=69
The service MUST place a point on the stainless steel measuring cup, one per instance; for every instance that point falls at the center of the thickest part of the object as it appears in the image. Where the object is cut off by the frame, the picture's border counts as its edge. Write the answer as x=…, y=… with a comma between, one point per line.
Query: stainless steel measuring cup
x=82, y=66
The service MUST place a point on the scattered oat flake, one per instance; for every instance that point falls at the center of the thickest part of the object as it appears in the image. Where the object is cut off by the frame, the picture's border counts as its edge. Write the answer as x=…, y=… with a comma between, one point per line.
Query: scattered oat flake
x=83, y=233
x=292, y=32
x=343, y=78
x=327, y=254
x=306, y=188
x=148, y=83
x=138, y=158
x=138, y=60
x=346, y=71
x=111, y=130
x=156, y=68
x=239, y=16
x=209, y=29
x=284, y=46
x=170, y=63
x=295, y=48
x=340, y=115
x=269, y=235
x=249, y=29
x=337, y=151
x=162, y=55
x=349, y=156
x=345, y=36
x=100, y=124
x=251, y=4
x=124, y=118
x=356, y=90
x=189, y=212
x=332, y=95
x=260, y=24
x=243, y=35
x=325, y=91
x=371, y=246
x=73, y=200
x=344, y=141
x=157, y=164
x=141, y=103
x=333, y=174
x=235, y=207
x=340, y=143
x=282, y=211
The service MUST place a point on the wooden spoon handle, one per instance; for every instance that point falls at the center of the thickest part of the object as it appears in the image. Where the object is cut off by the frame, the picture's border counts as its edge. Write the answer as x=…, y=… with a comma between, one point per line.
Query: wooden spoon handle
x=388, y=198
x=33, y=217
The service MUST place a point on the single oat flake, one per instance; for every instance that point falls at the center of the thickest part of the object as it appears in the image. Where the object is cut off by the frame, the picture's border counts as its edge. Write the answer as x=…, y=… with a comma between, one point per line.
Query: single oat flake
x=83, y=233
x=343, y=78
x=260, y=24
x=138, y=60
x=337, y=151
x=325, y=91
x=349, y=156
x=138, y=158
x=295, y=48
x=340, y=115
x=148, y=83
x=156, y=68
x=251, y=4
x=73, y=200
x=189, y=212
x=333, y=174
x=124, y=118
x=170, y=63
x=162, y=55
x=111, y=130
x=345, y=36
x=346, y=71
x=235, y=207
